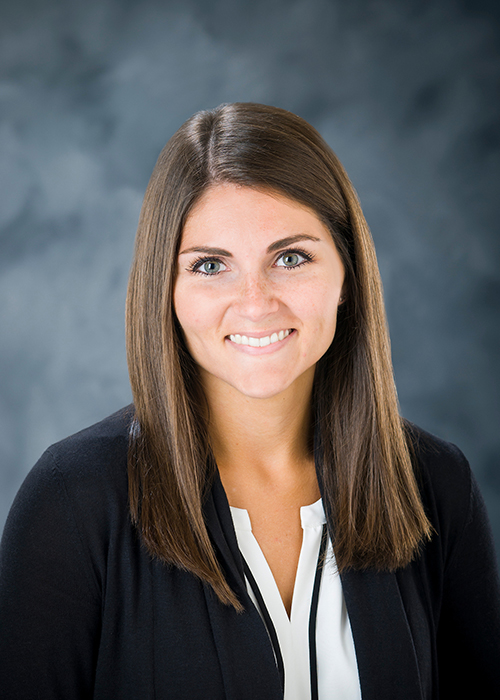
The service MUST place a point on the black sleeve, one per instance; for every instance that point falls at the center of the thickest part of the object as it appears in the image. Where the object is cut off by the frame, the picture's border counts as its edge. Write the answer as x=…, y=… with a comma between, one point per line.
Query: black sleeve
x=469, y=625
x=49, y=595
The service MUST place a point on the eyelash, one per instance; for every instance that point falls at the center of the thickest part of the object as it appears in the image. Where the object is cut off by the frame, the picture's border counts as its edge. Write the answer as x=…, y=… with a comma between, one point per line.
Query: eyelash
x=308, y=257
x=196, y=264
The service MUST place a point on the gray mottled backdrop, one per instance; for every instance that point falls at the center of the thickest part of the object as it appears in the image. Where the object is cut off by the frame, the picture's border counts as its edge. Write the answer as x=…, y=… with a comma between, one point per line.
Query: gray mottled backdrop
x=407, y=94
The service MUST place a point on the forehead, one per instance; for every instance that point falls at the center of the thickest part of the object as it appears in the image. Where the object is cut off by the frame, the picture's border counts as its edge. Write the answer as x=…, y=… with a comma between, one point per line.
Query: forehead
x=239, y=212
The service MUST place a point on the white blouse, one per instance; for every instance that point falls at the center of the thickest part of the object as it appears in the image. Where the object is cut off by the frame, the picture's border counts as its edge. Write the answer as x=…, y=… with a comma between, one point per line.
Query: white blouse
x=336, y=659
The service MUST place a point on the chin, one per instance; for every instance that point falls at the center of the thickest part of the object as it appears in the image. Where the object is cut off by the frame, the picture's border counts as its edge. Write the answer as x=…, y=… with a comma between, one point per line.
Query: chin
x=261, y=389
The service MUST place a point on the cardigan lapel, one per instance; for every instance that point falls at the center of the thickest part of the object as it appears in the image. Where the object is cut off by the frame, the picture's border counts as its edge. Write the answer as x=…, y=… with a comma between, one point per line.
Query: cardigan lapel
x=245, y=652
x=385, y=652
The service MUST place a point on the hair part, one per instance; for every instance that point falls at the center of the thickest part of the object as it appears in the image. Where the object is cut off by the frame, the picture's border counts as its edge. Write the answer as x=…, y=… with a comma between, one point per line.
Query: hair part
x=374, y=511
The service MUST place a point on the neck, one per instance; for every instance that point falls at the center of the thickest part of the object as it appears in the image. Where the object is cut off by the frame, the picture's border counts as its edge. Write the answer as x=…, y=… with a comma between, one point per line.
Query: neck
x=265, y=438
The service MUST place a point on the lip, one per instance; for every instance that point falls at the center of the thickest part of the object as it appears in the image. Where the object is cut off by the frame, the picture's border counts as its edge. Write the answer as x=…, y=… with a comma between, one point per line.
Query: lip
x=261, y=334
x=267, y=349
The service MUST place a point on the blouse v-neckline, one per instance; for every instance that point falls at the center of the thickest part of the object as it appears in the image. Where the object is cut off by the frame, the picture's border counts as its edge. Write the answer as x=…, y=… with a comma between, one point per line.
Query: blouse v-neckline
x=312, y=519
x=335, y=648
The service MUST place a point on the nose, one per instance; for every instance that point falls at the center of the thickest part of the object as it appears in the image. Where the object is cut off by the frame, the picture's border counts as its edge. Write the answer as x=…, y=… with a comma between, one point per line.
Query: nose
x=256, y=297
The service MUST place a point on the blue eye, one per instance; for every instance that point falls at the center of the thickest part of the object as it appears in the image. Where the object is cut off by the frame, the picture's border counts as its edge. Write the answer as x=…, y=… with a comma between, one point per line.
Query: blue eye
x=293, y=259
x=207, y=266
x=211, y=267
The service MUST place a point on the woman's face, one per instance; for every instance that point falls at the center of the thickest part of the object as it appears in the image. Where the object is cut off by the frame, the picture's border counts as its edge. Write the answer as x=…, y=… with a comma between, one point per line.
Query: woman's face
x=258, y=285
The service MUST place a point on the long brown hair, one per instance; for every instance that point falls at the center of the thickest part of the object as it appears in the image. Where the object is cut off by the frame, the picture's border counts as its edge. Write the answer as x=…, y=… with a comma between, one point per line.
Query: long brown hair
x=376, y=518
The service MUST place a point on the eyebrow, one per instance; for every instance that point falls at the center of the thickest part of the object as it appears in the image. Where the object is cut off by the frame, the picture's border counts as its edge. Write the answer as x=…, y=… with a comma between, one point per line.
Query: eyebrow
x=277, y=245
x=290, y=240
x=207, y=250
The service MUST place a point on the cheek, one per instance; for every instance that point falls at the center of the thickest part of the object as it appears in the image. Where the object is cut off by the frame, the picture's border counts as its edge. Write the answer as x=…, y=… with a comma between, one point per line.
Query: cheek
x=188, y=306
x=318, y=304
x=325, y=322
x=196, y=316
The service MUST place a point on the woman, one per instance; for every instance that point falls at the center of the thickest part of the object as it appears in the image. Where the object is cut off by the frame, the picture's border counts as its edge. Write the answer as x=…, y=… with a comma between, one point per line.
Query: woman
x=262, y=523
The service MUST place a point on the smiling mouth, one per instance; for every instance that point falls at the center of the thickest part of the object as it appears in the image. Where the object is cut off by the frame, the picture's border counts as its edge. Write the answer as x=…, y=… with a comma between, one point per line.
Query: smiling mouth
x=260, y=342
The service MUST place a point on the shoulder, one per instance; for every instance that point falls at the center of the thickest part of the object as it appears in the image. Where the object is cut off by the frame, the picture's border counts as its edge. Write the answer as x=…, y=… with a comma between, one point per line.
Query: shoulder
x=95, y=446
x=449, y=491
x=97, y=453
x=456, y=571
x=68, y=520
x=81, y=479
x=439, y=465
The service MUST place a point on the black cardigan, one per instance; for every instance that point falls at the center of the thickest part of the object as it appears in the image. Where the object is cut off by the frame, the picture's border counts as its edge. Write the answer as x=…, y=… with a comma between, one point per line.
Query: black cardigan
x=86, y=613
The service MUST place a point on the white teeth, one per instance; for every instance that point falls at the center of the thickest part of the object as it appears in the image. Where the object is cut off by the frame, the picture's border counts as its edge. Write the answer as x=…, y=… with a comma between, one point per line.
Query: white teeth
x=259, y=342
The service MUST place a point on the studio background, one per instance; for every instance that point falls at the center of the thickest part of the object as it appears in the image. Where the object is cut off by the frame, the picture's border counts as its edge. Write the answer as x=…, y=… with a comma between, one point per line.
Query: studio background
x=406, y=93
